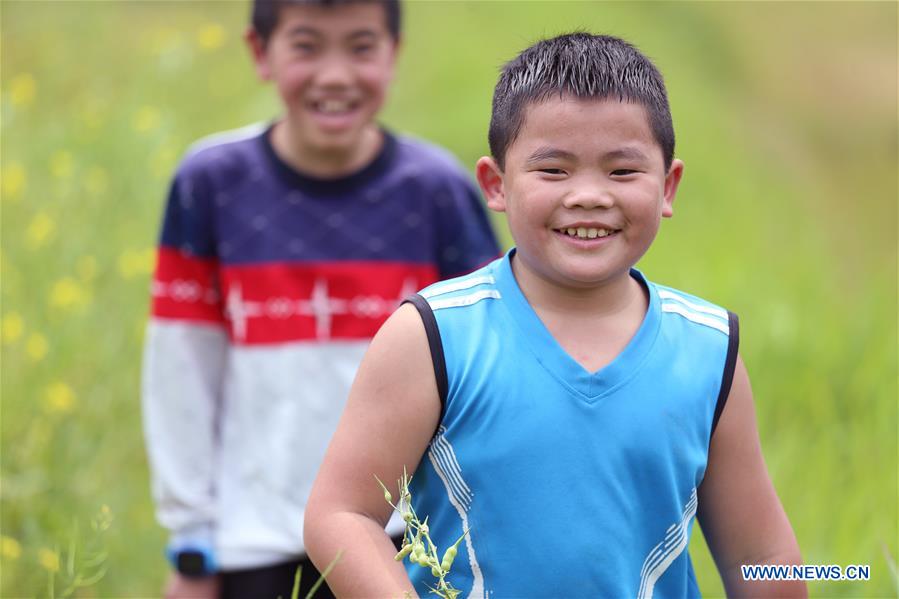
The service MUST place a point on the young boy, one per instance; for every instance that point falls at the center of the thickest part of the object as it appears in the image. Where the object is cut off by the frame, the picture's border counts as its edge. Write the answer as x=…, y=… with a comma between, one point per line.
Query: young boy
x=283, y=250
x=569, y=414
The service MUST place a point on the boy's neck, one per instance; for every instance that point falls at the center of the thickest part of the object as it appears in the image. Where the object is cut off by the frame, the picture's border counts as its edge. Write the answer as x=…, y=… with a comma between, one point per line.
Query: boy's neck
x=613, y=298
x=326, y=164
x=592, y=325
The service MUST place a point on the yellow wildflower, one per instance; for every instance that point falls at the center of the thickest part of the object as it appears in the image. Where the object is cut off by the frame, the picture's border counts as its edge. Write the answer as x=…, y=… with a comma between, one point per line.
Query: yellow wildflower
x=146, y=119
x=40, y=230
x=148, y=260
x=211, y=36
x=22, y=89
x=86, y=268
x=134, y=263
x=59, y=398
x=96, y=180
x=10, y=548
x=126, y=264
x=36, y=347
x=48, y=559
x=61, y=165
x=13, y=327
x=12, y=180
x=67, y=293
x=103, y=520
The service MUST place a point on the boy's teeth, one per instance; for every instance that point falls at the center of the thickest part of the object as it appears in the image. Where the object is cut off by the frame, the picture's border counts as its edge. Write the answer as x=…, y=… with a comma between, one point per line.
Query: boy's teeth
x=333, y=106
x=586, y=233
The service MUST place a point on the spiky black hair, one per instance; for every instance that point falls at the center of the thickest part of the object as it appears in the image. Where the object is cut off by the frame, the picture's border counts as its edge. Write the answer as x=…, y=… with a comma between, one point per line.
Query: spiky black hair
x=264, y=16
x=582, y=65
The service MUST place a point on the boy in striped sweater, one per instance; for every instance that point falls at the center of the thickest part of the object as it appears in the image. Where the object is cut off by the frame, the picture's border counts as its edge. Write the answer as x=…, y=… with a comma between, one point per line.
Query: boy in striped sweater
x=284, y=247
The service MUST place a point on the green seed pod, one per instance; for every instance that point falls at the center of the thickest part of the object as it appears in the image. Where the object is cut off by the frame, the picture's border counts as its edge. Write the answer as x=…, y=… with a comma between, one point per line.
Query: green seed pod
x=448, y=558
x=387, y=496
x=425, y=529
x=407, y=516
x=406, y=550
x=435, y=572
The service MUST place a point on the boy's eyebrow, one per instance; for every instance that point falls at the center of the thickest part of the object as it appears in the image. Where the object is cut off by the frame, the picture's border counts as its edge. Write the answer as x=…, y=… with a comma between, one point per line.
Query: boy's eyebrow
x=304, y=30
x=549, y=153
x=361, y=33
x=626, y=153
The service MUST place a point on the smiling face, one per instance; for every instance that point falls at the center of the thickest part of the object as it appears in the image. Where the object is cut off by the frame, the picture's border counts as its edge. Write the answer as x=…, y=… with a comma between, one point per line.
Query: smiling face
x=584, y=189
x=332, y=66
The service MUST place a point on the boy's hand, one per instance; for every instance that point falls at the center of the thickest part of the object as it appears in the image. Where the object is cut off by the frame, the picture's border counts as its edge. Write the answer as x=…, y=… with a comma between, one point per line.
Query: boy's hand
x=741, y=516
x=182, y=587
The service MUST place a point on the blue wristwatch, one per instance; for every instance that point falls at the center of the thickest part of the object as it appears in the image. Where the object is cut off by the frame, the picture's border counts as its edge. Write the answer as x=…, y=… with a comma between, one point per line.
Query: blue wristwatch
x=192, y=560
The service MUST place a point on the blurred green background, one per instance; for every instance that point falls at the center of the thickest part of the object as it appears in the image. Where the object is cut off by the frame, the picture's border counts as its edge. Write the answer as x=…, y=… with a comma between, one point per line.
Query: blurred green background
x=786, y=119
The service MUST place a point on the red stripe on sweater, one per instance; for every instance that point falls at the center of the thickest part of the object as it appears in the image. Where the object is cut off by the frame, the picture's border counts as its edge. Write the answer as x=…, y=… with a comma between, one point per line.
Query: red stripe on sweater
x=283, y=302
x=186, y=288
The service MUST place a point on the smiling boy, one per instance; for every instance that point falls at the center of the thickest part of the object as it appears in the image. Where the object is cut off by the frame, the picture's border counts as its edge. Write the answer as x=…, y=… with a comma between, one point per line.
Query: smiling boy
x=283, y=249
x=569, y=413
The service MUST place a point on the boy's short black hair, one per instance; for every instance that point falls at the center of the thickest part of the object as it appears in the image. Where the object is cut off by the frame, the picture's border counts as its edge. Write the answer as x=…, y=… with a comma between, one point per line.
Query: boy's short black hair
x=585, y=66
x=264, y=17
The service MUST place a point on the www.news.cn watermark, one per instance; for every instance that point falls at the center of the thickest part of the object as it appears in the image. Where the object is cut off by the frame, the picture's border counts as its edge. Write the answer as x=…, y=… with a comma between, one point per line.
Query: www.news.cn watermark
x=806, y=572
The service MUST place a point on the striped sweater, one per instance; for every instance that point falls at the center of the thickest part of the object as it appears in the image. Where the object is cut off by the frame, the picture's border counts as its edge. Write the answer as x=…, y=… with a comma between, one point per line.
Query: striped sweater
x=268, y=288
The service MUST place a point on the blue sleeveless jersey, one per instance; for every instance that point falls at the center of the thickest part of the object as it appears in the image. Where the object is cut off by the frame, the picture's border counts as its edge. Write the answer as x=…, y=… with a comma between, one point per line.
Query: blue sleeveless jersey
x=571, y=484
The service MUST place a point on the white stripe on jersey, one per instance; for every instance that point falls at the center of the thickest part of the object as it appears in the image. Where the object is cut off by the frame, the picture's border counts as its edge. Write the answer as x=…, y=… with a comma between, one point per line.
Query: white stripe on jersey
x=448, y=470
x=457, y=286
x=663, y=554
x=669, y=295
x=697, y=318
x=464, y=300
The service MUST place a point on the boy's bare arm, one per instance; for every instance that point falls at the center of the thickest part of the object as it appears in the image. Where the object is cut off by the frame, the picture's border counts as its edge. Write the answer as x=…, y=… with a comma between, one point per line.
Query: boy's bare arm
x=741, y=516
x=391, y=414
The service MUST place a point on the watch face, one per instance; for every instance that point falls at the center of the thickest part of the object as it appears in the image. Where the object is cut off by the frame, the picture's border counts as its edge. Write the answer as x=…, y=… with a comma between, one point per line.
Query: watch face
x=191, y=563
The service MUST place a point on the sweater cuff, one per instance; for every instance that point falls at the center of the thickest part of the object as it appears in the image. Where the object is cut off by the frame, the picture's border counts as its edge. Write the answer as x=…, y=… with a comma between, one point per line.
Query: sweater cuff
x=195, y=534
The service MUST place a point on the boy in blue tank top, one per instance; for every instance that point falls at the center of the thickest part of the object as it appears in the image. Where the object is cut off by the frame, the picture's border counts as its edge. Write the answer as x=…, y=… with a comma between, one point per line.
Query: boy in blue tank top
x=568, y=413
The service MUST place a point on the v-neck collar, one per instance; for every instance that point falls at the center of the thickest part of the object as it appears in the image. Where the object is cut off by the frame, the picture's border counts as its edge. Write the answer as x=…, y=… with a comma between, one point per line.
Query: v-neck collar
x=589, y=386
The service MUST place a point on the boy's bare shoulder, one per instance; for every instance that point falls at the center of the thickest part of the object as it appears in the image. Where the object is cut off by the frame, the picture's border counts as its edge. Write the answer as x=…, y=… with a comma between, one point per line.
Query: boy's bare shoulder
x=400, y=339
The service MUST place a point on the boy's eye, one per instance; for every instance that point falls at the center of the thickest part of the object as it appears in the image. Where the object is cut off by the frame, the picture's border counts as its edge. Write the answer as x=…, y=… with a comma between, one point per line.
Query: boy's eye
x=552, y=171
x=304, y=47
x=362, y=50
x=623, y=172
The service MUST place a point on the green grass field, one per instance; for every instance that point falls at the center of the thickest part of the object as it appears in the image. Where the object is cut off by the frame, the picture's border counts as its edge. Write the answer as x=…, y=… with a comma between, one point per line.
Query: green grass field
x=786, y=119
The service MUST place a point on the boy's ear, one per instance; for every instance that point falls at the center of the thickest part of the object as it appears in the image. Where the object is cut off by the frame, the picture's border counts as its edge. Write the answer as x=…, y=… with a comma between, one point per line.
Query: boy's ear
x=672, y=180
x=490, y=178
x=257, y=50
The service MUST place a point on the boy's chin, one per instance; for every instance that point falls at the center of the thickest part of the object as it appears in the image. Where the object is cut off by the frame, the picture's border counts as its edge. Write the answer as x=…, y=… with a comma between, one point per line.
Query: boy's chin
x=334, y=143
x=587, y=276
x=326, y=137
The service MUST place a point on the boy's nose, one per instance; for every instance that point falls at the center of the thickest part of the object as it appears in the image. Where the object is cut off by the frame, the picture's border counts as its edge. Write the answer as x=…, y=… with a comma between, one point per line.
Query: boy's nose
x=334, y=72
x=589, y=197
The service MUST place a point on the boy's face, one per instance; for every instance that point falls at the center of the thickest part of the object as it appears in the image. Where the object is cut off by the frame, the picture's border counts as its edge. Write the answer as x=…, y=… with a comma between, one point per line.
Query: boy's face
x=332, y=67
x=584, y=189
